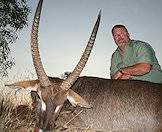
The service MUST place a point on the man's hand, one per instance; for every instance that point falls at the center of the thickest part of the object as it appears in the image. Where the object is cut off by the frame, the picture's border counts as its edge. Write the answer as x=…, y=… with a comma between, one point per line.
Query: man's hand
x=117, y=75
x=134, y=70
x=125, y=76
x=121, y=75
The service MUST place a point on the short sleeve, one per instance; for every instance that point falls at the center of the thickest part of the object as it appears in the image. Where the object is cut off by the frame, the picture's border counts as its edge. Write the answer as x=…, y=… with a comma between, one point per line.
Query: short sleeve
x=113, y=67
x=145, y=53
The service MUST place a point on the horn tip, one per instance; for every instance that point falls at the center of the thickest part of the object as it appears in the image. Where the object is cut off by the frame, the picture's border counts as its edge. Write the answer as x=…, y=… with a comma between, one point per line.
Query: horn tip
x=100, y=13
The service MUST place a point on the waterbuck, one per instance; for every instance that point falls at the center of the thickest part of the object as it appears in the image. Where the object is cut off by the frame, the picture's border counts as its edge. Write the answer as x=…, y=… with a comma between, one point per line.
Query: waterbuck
x=51, y=95
x=115, y=105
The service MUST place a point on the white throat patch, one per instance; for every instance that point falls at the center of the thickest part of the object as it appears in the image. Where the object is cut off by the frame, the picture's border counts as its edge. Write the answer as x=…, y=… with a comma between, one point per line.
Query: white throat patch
x=43, y=105
x=58, y=108
x=40, y=130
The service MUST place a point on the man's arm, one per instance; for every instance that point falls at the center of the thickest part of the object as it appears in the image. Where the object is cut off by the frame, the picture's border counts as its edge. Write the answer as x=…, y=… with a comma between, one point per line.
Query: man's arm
x=134, y=70
x=137, y=69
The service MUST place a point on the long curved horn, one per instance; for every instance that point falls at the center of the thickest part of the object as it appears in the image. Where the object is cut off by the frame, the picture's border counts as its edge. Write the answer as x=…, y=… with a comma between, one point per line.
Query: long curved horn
x=43, y=78
x=78, y=69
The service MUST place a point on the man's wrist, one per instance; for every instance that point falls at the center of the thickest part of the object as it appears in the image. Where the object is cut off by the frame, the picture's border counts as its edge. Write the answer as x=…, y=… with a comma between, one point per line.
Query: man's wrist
x=124, y=73
x=121, y=71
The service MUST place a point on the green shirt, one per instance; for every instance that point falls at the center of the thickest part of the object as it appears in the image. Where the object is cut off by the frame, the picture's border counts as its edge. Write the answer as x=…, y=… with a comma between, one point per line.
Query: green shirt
x=137, y=52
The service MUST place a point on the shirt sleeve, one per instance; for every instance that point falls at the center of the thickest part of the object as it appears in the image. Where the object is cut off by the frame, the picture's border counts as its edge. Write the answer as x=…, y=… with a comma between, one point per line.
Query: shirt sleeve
x=145, y=53
x=113, y=67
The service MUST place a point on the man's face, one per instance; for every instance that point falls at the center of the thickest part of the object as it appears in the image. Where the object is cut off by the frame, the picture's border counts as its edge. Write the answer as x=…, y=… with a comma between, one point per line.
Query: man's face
x=121, y=36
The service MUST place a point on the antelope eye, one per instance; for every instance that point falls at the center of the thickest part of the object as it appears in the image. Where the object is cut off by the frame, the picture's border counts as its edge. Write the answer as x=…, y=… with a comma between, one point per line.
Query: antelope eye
x=34, y=96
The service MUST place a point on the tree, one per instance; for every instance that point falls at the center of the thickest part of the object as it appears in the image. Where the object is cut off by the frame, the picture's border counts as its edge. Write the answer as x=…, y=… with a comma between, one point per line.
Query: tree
x=13, y=18
x=65, y=75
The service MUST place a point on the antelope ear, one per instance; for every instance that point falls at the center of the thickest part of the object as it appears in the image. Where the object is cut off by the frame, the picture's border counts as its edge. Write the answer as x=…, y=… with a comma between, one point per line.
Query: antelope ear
x=14, y=86
x=17, y=88
x=76, y=100
x=28, y=84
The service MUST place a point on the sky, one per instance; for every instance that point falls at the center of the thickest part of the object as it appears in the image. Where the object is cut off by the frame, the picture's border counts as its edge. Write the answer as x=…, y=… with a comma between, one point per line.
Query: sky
x=65, y=28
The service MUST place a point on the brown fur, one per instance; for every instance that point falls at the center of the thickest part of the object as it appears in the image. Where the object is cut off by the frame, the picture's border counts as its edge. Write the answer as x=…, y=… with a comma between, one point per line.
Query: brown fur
x=120, y=104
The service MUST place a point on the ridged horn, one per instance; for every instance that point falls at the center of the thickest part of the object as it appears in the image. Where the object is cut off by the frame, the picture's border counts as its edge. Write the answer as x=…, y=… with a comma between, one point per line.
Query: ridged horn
x=43, y=78
x=66, y=84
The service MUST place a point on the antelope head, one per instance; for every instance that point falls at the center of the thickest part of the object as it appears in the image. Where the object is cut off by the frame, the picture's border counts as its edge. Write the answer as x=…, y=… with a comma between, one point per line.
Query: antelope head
x=53, y=95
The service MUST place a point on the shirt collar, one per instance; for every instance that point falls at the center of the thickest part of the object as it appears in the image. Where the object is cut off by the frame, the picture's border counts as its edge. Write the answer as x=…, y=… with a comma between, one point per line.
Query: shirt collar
x=126, y=47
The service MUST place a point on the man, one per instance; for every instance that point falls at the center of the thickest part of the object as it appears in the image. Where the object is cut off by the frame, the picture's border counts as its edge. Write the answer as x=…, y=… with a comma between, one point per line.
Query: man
x=133, y=59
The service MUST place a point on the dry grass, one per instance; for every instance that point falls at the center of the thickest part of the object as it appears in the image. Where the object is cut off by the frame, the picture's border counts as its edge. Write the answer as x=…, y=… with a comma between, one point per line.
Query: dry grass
x=22, y=119
x=15, y=110
x=14, y=118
